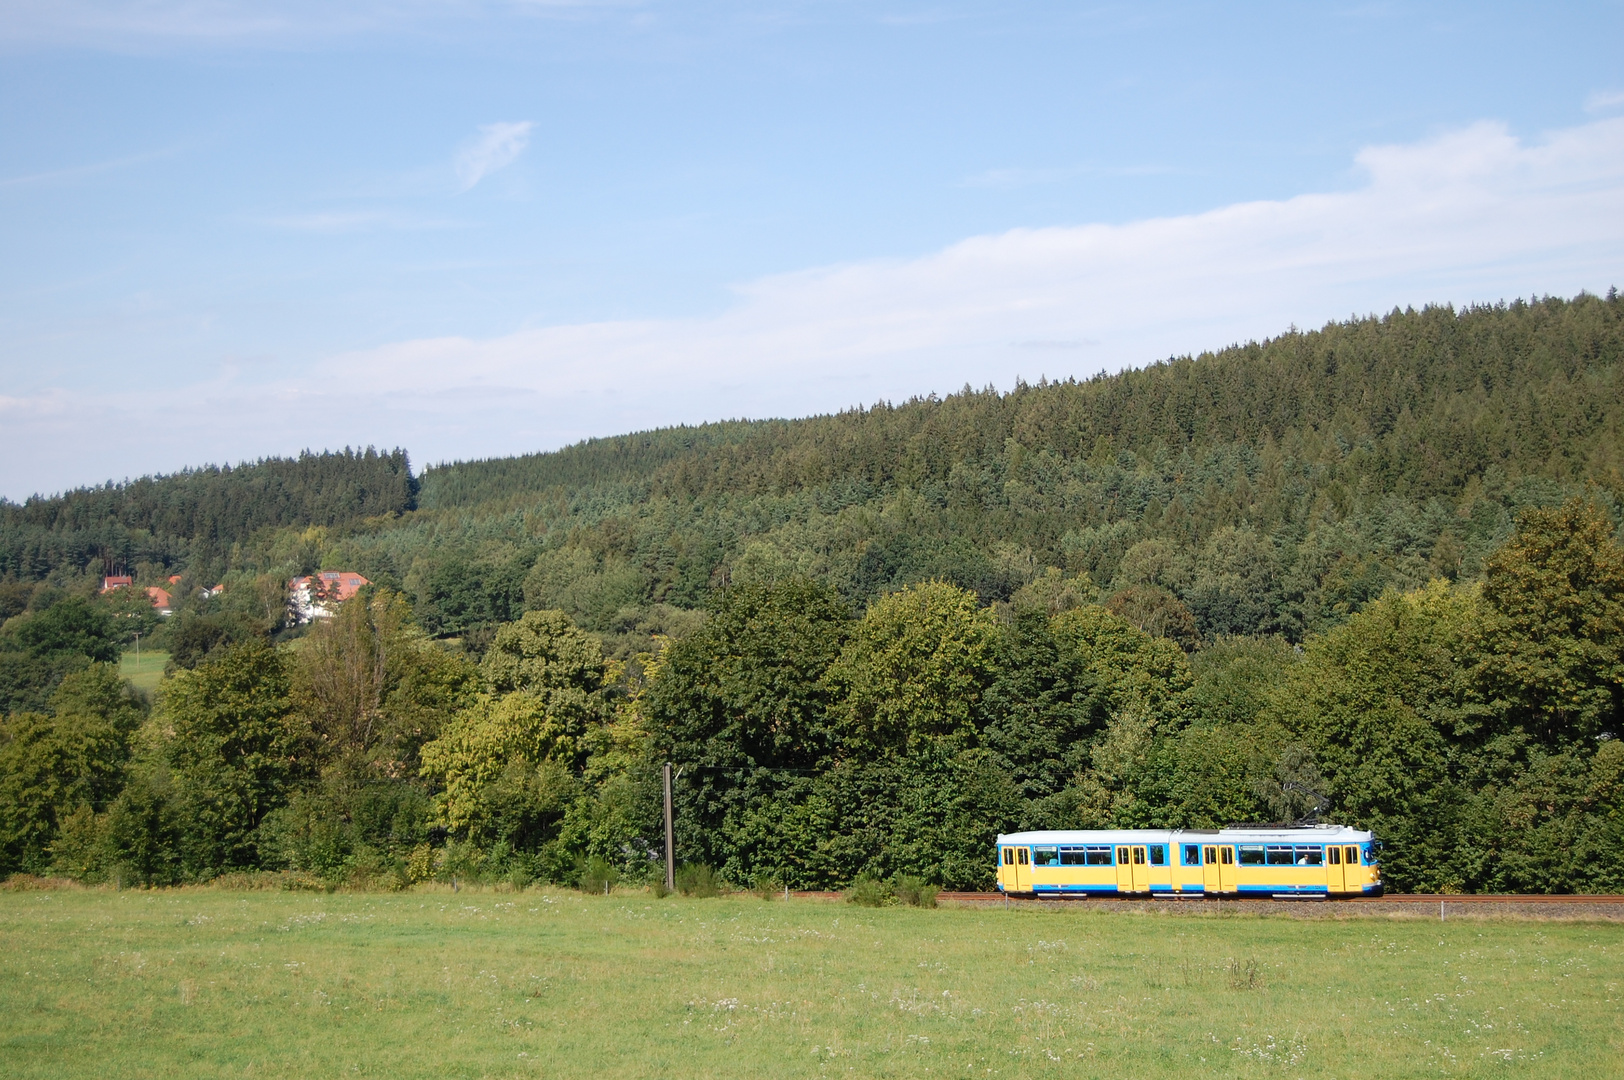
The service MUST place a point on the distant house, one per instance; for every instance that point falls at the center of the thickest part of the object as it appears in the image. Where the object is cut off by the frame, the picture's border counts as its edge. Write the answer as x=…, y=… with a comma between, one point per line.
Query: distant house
x=203, y=593
x=161, y=598
x=315, y=596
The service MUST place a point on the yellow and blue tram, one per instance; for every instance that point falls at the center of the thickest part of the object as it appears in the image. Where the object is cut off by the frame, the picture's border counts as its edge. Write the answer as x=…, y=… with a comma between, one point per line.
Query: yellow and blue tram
x=1306, y=861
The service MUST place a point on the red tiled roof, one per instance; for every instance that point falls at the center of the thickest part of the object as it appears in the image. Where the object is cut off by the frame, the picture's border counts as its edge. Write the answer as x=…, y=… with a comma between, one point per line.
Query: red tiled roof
x=335, y=584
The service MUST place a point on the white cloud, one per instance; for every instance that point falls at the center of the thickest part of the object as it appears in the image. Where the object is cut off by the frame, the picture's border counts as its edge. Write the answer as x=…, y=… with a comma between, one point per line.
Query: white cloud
x=1473, y=215
x=496, y=146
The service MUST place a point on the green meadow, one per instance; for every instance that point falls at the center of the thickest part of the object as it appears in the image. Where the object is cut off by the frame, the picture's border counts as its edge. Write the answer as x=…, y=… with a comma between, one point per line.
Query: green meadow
x=213, y=983
x=144, y=670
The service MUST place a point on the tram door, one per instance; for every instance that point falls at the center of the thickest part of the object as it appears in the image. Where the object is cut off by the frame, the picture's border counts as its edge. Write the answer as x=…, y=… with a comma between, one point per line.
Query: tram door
x=1133, y=875
x=1209, y=869
x=1226, y=868
x=1334, y=882
x=1023, y=869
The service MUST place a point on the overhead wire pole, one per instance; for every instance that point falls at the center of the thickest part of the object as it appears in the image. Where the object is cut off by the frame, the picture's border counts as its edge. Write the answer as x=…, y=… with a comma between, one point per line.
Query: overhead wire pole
x=670, y=843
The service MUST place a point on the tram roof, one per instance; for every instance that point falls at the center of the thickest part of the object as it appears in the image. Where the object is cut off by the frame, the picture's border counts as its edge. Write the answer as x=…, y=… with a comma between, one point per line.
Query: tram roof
x=1261, y=834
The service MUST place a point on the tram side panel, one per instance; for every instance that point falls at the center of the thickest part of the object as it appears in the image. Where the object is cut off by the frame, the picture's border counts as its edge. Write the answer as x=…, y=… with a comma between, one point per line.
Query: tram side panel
x=1181, y=868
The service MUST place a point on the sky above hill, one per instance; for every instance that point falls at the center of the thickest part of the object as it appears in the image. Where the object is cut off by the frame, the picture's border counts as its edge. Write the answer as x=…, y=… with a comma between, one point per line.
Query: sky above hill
x=231, y=229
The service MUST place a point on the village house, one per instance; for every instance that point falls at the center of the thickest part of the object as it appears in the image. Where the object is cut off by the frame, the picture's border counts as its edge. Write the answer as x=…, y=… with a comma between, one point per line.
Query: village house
x=204, y=592
x=161, y=599
x=315, y=596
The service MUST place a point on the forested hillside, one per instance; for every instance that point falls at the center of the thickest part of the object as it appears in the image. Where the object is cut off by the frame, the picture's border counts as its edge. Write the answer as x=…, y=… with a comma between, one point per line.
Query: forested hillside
x=1376, y=563
x=196, y=517
x=1270, y=488
x=1290, y=482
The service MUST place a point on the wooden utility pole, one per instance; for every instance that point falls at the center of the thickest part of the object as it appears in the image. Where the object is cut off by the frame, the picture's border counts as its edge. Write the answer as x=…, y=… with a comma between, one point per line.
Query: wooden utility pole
x=670, y=842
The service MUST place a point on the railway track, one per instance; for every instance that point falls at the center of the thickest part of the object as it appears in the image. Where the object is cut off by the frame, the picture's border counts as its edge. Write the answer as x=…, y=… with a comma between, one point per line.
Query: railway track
x=1425, y=905
x=1391, y=898
x=1607, y=906
x=1486, y=898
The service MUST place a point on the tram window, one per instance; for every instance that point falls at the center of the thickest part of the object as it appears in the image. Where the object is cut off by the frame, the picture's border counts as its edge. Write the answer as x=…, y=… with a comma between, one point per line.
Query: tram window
x=1350, y=856
x=1226, y=854
x=1280, y=855
x=1099, y=856
x=1310, y=856
x=1045, y=856
x=1139, y=856
x=1192, y=854
x=1333, y=855
x=1158, y=855
x=1072, y=856
x=1020, y=855
x=1122, y=856
x=1251, y=854
x=1009, y=856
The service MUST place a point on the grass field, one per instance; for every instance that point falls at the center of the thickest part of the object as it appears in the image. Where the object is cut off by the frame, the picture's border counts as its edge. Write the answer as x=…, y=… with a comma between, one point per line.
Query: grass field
x=542, y=984
x=144, y=672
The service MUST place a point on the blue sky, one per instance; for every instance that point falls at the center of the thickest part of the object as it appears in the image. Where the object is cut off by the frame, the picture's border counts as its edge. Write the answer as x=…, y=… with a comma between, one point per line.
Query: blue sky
x=234, y=229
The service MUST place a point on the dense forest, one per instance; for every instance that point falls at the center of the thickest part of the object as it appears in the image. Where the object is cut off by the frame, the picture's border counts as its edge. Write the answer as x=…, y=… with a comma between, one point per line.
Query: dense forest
x=198, y=518
x=1375, y=567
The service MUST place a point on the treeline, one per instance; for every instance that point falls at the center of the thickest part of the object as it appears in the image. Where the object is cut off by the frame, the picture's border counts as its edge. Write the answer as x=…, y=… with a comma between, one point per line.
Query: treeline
x=1473, y=726
x=196, y=517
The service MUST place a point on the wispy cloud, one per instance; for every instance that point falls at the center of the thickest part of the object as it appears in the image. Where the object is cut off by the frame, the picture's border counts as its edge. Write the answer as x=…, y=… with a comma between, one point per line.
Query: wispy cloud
x=1018, y=177
x=52, y=402
x=1604, y=101
x=932, y=17
x=125, y=23
x=1051, y=343
x=496, y=146
x=340, y=221
x=80, y=172
x=1476, y=214
x=135, y=24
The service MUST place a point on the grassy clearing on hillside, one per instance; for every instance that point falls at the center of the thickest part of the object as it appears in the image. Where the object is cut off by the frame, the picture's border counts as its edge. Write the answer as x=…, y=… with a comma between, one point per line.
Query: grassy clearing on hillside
x=143, y=673
x=436, y=984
